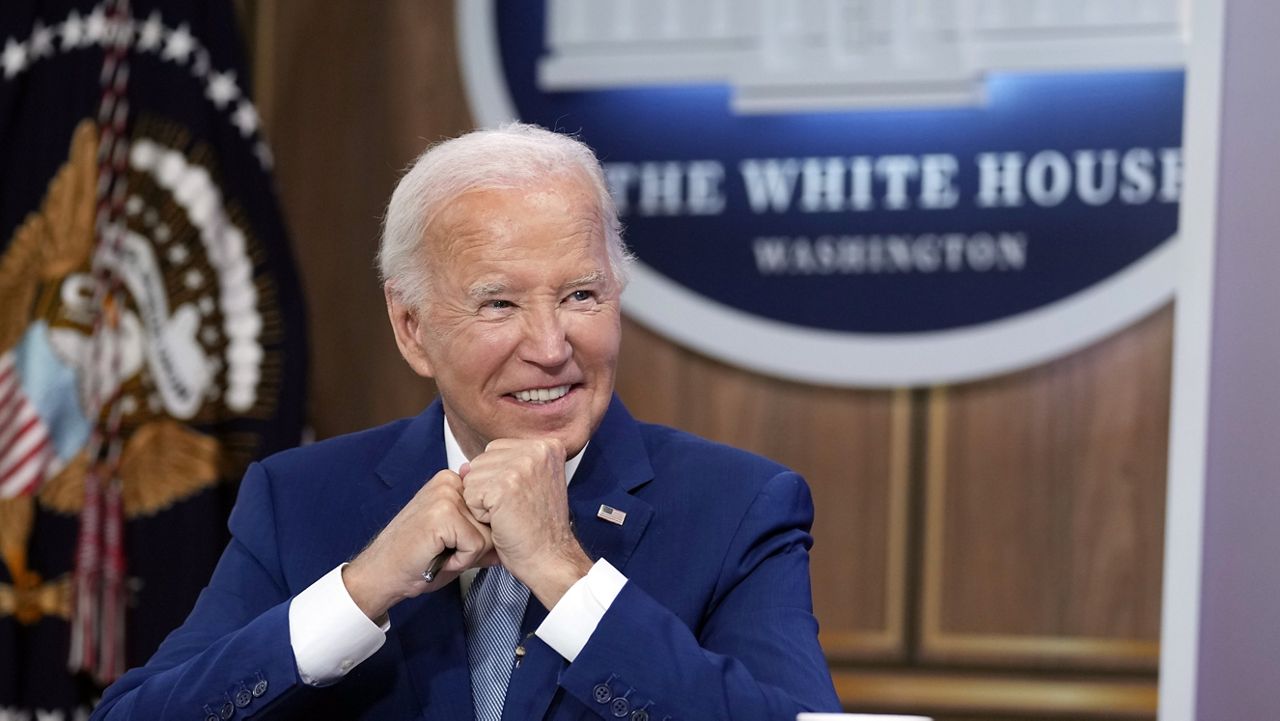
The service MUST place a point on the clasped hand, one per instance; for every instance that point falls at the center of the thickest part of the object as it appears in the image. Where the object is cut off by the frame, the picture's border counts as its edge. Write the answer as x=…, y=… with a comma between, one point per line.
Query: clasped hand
x=508, y=506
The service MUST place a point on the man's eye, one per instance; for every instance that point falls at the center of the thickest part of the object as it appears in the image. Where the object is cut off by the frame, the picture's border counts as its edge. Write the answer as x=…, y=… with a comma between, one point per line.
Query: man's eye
x=581, y=295
x=498, y=304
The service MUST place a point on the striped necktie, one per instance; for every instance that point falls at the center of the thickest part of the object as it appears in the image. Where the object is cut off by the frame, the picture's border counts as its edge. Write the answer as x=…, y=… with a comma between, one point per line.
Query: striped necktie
x=494, y=606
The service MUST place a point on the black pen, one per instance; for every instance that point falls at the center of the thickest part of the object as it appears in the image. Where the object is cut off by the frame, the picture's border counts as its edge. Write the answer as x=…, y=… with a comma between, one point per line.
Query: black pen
x=437, y=563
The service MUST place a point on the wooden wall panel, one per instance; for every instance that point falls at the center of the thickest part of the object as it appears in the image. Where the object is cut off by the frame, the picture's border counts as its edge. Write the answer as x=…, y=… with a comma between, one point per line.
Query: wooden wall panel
x=952, y=696
x=1045, y=502
x=356, y=91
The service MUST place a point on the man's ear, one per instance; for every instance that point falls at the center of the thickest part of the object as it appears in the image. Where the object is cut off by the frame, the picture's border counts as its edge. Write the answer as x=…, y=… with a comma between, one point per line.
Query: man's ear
x=408, y=328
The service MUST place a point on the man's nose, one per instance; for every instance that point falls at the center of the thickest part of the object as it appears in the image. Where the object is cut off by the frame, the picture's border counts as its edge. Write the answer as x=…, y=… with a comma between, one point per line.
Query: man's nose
x=545, y=342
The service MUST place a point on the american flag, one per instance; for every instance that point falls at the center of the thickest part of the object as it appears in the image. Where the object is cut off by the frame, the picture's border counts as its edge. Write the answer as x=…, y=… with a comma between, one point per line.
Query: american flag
x=611, y=514
x=26, y=449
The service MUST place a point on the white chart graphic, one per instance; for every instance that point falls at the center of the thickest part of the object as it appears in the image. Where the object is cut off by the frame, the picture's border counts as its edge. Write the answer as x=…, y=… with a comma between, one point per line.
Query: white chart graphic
x=795, y=55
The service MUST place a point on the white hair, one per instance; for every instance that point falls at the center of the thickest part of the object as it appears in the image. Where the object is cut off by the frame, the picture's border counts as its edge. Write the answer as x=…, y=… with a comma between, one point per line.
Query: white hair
x=516, y=155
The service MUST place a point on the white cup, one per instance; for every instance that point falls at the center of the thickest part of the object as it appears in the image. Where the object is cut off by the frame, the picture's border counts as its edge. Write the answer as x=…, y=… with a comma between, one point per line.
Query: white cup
x=857, y=717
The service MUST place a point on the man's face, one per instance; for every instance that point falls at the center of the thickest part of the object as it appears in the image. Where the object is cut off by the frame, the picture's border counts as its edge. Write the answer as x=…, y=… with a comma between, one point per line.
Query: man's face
x=522, y=327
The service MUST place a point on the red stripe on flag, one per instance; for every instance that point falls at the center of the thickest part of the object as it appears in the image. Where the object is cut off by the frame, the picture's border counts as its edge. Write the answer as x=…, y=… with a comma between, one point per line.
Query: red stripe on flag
x=13, y=469
x=10, y=400
x=9, y=442
x=11, y=436
x=22, y=480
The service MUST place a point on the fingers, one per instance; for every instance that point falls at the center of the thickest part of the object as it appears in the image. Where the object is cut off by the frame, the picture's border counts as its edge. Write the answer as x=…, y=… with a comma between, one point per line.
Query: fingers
x=390, y=568
x=449, y=526
x=474, y=501
x=551, y=447
x=509, y=466
x=508, y=505
x=471, y=542
x=517, y=487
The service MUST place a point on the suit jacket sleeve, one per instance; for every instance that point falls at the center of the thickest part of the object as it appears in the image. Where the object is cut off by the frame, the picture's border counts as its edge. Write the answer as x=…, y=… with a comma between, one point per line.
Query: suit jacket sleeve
x=236, y=638
x=754, y=656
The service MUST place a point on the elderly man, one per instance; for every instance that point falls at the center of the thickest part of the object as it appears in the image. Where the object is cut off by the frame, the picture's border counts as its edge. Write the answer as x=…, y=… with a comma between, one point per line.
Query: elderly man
x=592, y=566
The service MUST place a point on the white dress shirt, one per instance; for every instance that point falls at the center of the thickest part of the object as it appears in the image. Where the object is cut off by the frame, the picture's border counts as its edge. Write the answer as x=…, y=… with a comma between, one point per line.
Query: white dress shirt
x=330, y=635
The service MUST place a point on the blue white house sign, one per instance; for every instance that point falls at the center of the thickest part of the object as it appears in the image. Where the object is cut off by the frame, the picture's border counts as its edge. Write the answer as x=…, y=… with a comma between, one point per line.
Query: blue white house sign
x=865, y=192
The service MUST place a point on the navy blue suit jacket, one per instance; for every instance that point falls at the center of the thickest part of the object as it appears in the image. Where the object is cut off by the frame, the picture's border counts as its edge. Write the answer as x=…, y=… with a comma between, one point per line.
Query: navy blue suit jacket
x=715, y=621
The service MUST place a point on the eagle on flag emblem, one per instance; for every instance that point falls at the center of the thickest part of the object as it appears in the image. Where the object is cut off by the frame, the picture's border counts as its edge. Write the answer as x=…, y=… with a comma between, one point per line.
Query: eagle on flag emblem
x=151, y=334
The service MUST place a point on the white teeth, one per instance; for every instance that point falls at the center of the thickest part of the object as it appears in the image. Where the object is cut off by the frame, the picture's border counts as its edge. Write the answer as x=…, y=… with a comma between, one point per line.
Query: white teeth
x=541, y=395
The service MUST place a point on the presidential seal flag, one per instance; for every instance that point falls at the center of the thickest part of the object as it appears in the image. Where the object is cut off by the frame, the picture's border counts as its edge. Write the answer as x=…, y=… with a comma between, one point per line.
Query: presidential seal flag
x=151, y=330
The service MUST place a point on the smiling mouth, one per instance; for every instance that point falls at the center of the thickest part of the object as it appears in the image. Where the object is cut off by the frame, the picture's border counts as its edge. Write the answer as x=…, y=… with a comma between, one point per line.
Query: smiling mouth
x=539, y=396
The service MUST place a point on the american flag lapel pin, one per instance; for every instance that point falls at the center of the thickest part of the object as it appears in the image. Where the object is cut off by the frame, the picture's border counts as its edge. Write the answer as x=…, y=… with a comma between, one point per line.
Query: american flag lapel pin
x=611, y=514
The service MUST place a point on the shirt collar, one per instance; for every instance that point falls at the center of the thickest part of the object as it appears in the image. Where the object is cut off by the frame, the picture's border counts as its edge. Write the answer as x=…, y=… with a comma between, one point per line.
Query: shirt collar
x=455, y=456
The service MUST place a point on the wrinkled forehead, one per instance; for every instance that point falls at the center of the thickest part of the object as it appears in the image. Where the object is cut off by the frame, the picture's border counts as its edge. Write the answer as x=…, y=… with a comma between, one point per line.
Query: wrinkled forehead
x=561, y=207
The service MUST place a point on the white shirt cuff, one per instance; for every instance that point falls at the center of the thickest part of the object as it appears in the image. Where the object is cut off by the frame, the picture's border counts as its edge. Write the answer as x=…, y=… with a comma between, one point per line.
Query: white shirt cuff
x=570, y=623
x=329, y=633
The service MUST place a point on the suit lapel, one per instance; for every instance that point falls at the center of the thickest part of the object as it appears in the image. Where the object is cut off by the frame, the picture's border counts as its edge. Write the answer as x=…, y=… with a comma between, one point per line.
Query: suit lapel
x=615, y=464
x=416, y=456
x=429, y=627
